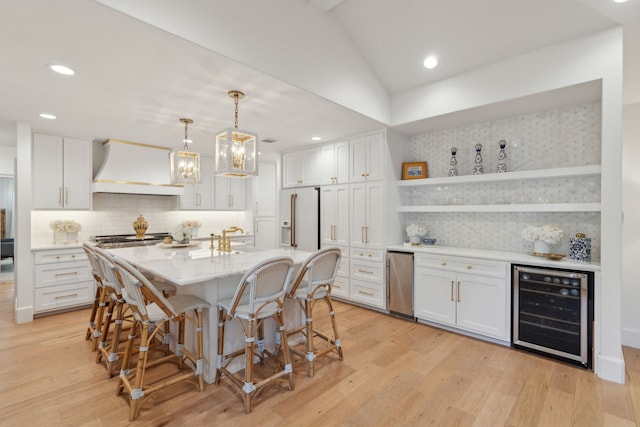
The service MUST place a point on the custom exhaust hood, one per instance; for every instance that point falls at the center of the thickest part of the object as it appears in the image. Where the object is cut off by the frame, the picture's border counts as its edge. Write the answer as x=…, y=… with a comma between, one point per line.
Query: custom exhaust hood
x=133, y=168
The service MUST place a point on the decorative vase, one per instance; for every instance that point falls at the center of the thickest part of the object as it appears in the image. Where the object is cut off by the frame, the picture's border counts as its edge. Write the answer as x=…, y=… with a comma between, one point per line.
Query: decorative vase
x=541, y=247
x=185, y=240
x=59, y=237
x=194, y=231
x=453, y=170
x=415, y=240
x=478, y=169
x=72, y=237
x=502, y=157
x=580, y=248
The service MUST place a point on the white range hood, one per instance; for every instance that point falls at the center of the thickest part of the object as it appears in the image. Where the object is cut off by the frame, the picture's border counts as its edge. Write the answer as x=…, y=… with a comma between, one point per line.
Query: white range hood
x=134, y=168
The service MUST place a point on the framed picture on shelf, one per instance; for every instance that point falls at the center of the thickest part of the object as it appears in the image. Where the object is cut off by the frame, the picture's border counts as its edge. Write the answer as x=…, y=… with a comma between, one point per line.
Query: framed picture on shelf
x=414, y=170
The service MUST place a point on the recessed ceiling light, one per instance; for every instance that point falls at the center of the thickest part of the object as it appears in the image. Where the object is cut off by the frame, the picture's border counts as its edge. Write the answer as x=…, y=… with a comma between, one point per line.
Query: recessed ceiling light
x=62, y=69
x=430, y=62
x=47, y=116
x=620, y=1
x=316, y=138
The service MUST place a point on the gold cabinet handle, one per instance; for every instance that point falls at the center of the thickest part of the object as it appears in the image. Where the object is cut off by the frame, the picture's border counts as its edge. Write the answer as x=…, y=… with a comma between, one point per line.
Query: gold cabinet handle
x=71, y=273
x=458, y=291
x=299, y=181
x=468, y=267
x=361, y=254
x=370, y=255
x=66, y=296
x=452, y=290
x=365, y=293
x=73, y=255
x=365, y=271
x=66, y=195
x=366, y=234
x=57, y=256
x=443, y=263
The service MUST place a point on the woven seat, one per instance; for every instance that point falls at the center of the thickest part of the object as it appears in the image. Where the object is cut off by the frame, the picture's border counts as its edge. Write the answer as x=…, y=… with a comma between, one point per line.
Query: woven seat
x=312, y=284
x=259, y=296
x=149, y=308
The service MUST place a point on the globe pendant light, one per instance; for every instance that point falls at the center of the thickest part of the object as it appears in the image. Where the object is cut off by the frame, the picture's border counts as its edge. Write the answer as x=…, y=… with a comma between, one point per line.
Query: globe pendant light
x=236, y=150
x=185, y=164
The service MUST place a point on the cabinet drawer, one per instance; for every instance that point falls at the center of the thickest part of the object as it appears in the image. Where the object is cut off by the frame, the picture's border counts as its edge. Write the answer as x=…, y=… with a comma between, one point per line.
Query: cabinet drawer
x=62, y=273
x=60, y=255
x=367, y=254
x=58, y=297
x=367, y=270
x=340, y=287
x=367, y=293
x=466, y=265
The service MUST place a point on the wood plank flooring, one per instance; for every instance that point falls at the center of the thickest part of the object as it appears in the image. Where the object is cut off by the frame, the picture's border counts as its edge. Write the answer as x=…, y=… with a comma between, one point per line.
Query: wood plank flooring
x=395, y=373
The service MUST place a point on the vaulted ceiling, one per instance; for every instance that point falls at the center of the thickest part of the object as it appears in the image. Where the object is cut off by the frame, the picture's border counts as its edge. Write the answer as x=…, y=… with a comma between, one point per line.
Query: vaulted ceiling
x=326, y=68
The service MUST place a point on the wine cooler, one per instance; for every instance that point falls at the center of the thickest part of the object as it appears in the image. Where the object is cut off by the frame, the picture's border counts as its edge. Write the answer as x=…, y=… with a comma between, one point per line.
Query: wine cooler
x=553, y=312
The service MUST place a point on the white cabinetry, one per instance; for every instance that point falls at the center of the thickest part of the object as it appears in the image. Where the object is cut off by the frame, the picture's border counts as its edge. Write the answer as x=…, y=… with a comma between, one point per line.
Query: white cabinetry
x=229, y=193
x=63, y=279
x=367, y=275
x=264, y=190
x=200, y=196
x=335, y=163
x=301, y=168
x=61, y=172
x=465, y=293
x=334, y=223
x=367, y=215
x=367, y=158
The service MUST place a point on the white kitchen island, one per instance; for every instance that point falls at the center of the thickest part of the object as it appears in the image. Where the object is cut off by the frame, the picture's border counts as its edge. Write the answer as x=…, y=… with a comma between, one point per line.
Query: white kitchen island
x=212, y=276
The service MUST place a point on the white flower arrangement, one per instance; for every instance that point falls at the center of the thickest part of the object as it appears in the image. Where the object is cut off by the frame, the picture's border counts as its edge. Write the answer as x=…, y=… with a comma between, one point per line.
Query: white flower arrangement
x=416, y=230
x=548, y=233
x=191, y=223
x=67, y=225
x=181, y=233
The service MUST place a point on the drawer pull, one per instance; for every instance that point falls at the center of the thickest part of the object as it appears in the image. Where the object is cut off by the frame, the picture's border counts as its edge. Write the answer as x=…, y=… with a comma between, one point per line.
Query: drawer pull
x=67, y=274
x=370, y=255
x=469, y=267
x=57, y=256
x=365, y=271
x=452, y=290
x=370, y=294
x=443, y=263
x=66, y=296
x=458, y=291
x=361, y=254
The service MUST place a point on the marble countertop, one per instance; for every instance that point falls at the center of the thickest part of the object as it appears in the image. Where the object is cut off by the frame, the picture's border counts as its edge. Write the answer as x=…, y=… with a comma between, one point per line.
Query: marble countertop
x=198, y=263
x=507, y=256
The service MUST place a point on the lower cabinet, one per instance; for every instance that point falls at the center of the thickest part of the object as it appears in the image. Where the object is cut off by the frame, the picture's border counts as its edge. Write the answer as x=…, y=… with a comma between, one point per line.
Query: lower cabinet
x=63, y=279
x=464, y=293
x=367, y=278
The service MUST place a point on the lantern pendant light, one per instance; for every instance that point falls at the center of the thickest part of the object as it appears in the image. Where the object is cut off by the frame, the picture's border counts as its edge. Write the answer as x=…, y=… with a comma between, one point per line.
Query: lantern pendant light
x=185, y=164
x=236, y=150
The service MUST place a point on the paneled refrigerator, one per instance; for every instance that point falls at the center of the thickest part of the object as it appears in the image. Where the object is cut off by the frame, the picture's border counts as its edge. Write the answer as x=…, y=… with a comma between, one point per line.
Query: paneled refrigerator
x=300, y=218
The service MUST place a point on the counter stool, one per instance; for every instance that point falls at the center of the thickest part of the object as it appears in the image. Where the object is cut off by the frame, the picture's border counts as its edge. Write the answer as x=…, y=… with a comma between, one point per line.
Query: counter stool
x=94, y=329
x=150, y=307
x=259, y=296
x=312, y=284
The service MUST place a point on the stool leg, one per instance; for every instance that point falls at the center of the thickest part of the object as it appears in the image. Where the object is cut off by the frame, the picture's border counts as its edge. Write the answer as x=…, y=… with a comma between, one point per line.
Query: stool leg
x=311, y=355
x=200, y=348
x=221, y=321
x=334, y=325
x=249, y=387
x=126, y=358
x=94, y=312
x=99, y=319
x=137, y=391
x=179, y=352
x=104, y=332
x=286, y=355
x=115, y=338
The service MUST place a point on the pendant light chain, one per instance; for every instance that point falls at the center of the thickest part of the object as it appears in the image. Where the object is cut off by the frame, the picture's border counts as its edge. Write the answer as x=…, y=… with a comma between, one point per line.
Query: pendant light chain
x=235, y=98
x=186, y=125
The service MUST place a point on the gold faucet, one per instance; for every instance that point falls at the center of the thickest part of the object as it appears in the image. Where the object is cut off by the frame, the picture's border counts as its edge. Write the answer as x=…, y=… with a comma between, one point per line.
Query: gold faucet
x=224, y=241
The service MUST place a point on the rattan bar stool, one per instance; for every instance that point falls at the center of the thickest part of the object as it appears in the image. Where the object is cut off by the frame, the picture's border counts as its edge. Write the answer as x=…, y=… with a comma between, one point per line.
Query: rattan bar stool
x=259, y=296
x=96, y=318
x=312, y=284
x=150, y=307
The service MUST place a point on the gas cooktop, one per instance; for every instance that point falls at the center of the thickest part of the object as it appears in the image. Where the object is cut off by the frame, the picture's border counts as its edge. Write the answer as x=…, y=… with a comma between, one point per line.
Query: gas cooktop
x=127, y=240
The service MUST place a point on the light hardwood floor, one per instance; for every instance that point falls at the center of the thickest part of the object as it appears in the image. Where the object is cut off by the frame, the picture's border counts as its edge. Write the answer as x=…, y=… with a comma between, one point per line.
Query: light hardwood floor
x=395, y=373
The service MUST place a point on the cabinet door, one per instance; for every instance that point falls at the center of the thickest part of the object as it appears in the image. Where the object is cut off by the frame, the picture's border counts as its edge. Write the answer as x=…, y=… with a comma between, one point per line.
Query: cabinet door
x=357, y=159
x=265, y=232
x=328, y=165
x=374, y=231
x=341, y=162
x=229, y=193
x=302, y=168
x=482, y=304
x=434, y=295
x=265, y=190
x=328, y=205
x=200, y=196
x=48, y=186
x=292, y=169
x=77, y=173
x=366, y=158
x=358, y=220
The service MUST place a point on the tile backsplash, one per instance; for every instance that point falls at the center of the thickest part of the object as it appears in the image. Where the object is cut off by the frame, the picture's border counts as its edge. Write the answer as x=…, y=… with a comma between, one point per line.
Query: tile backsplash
x=115, y=214
x=562, y=137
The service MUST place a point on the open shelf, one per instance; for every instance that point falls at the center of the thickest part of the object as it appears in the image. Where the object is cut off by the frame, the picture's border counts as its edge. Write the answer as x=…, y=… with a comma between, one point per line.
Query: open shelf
x=574, y=171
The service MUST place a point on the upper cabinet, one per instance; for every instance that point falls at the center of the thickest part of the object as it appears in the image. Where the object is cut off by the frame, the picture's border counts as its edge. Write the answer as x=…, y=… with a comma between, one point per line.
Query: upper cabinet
x=61, y=172
x=229, y=193
x=301, y=168
x=200, y=196
x=366, y=158
x=335, y=163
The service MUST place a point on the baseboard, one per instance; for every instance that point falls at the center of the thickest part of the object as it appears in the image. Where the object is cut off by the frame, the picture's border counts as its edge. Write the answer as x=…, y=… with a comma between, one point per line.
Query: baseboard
x=611, y=369
x=23, y=314
x=631, y=337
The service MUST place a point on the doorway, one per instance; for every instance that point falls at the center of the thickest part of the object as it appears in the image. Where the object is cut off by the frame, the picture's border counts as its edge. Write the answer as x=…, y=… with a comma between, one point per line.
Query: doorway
x=6, y=228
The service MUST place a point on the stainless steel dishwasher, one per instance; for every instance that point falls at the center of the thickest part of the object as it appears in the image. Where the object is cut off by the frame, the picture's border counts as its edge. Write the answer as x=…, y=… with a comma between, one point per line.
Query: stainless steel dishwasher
x=400, y=284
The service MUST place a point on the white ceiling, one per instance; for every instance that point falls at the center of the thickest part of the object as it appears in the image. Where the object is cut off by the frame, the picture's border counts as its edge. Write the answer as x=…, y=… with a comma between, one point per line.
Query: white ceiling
x=308, y=67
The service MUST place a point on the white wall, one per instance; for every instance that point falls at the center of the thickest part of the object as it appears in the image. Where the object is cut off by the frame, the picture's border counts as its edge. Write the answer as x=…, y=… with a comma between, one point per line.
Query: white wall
x=7, y=158
x=631, y=226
